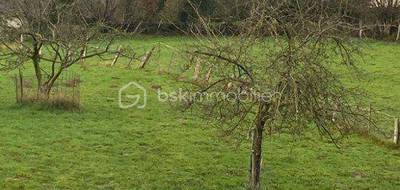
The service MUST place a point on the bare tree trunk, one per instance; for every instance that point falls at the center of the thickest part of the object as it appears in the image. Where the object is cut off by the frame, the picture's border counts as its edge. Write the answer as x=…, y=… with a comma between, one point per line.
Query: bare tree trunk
x=46, y=88
x=38, y=71
x=360, y=33
x=386, y=29
x=21, y=40
x=398, y=33
x=256, y=158
x=83, y=55
x=84, y=52
x=36, y=63
x=256, y=154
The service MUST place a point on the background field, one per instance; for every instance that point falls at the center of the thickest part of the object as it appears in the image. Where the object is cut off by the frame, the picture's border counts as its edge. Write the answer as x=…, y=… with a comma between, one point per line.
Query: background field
x=105, y=147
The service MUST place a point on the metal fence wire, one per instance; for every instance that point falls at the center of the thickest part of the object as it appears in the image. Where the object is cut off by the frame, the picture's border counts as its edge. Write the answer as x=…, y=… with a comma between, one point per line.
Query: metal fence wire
x=65, y=92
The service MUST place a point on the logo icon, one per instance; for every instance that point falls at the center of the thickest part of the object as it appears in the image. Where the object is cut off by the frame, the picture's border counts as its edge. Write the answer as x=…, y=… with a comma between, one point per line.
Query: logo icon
x=136, y=99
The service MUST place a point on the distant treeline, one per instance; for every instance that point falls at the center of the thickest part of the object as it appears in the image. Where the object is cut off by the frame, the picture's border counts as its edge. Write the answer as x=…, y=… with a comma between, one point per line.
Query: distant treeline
x=370, y=18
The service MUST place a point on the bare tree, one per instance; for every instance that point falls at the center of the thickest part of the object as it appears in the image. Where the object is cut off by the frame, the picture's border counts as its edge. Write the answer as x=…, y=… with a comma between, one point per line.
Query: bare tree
x=277, y=73
x=52, y=35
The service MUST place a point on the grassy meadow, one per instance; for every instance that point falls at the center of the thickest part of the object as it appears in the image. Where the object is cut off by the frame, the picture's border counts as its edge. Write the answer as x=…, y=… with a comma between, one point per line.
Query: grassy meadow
x=160, y=147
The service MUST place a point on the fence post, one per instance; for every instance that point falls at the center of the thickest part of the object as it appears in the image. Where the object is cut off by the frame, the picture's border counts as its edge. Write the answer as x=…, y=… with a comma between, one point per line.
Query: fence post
x=21, y=85
x=396, y=131
x=398, y=33
x=117, y=55
x=197, y=70
x=147, y=57
x=16, y=88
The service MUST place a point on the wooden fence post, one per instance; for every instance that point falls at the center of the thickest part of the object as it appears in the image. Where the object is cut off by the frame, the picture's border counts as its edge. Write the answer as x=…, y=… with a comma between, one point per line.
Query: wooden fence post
x=117, y=55
x=147, y=57
x=208, y=75
x=21, y=85
x=197, y=70
x=16, y=88
x=83, y=54
x=361, y=30
x=398, y=33
x=396, y=131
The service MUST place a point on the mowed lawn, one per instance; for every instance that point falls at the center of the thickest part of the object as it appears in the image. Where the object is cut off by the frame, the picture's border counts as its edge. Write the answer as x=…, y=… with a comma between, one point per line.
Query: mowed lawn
x=160, y=147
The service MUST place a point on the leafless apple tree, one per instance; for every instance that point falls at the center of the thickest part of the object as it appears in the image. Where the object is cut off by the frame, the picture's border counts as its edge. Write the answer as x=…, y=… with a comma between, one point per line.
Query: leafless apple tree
x=279, y=71
x=52, y=36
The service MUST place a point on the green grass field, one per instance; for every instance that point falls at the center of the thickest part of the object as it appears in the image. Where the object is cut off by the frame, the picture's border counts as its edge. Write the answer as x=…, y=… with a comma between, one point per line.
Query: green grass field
x=160, y=147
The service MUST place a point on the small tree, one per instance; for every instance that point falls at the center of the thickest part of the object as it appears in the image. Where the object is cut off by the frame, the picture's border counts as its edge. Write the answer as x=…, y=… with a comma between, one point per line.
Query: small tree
x=52, y=35
x=277, y=73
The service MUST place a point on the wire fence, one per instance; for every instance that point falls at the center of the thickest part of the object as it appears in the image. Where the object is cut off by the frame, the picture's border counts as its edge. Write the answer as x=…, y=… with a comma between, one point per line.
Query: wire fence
x=388, y=31
x=383, y=126
x=65, y=92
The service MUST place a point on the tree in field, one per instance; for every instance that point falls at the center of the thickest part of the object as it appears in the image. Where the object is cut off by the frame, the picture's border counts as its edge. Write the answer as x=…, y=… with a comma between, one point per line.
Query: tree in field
x=277, y=73
x=52, y=35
